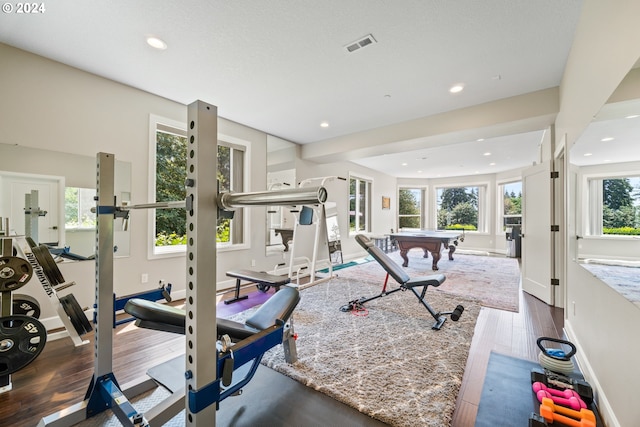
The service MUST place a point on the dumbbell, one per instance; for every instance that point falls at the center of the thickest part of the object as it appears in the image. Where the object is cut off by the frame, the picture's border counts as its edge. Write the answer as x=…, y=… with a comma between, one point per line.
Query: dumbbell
x=553, y=413
x=568, y=398
x=551, y=378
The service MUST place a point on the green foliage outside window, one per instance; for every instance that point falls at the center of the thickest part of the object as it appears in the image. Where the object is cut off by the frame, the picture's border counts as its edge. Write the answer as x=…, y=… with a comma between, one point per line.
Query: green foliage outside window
x=620, y=216
x=171, y=166
x=458, y=208
x=409, y=208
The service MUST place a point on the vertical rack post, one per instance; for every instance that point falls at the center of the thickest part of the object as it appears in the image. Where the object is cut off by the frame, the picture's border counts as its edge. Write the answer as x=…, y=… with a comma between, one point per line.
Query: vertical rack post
x=104, y=265
x=202, y=217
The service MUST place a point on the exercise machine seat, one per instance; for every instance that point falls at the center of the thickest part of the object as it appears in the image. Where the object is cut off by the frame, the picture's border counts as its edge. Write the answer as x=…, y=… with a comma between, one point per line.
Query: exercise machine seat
x=395, y=270
x=163, y=317
x=406, y=283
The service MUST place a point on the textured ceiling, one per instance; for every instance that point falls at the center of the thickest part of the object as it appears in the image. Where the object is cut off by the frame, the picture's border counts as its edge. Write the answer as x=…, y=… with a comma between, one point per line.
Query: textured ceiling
x=282, y=66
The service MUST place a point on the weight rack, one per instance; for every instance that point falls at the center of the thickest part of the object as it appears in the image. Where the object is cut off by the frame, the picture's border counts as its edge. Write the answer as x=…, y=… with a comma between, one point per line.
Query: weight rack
x=201, y=364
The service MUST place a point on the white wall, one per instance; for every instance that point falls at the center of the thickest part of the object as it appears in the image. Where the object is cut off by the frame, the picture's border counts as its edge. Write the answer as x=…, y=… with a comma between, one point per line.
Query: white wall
x=603, y=324
x=51, y=106
x=383, y=220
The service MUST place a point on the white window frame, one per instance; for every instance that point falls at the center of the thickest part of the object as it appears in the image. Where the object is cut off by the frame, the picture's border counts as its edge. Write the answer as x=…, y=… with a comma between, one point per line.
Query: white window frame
x=592, y=205
x=368, y=201
x=483, y=205
x=154, y=252
x=500, y=202
x=423, y=203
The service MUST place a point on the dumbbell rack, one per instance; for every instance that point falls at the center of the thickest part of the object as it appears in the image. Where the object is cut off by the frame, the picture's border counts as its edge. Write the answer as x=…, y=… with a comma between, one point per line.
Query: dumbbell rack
x=24, y=250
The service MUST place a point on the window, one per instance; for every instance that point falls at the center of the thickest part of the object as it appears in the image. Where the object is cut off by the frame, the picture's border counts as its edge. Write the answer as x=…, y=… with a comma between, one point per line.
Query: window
x=169, y=154
x=77, y=208
x=410, y=208
x=359, y=205
x=458, y=208
x=614, y=205
x=511, y=203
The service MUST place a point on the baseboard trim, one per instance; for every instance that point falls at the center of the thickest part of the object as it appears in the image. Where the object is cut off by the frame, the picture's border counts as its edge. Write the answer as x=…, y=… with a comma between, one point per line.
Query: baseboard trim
x=604, y=408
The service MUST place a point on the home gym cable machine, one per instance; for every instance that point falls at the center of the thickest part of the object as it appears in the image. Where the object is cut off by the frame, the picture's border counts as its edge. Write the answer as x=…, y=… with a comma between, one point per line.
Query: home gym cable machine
x=203, y=205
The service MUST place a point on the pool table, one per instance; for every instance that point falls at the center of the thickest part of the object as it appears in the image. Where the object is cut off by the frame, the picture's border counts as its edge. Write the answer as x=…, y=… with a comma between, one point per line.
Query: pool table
x=429, y=241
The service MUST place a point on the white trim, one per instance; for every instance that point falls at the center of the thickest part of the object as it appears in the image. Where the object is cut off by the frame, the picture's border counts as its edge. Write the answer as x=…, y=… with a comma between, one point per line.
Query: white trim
x=604, y=407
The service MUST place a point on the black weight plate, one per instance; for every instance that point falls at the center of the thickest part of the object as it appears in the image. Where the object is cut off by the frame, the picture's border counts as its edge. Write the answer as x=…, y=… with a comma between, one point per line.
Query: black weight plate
x=79, y=321
x=57, y=274
x=25, y=305
x=86, y=325
x=15, y=272
x=48, y=265
x=31, y=242
x=22, y=339
x=75, y=321
x=37, y=252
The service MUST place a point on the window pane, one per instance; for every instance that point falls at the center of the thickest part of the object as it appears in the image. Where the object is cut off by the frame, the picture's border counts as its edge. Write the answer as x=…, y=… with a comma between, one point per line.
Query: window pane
x=223, y=232
x=362, y=206
x=410, y=208
x=77, y=207
x=458, y=208
x=352, y=204
x=171, y=163
x=621, y=206
x=512, y=203
x=359, y=204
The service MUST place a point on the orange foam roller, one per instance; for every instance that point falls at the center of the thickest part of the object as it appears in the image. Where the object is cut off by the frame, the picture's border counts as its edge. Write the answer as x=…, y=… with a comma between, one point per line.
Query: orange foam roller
x=552, y=413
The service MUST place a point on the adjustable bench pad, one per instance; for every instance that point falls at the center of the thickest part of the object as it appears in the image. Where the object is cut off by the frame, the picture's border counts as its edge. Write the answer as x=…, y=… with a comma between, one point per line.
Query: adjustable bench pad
x=165, y=317
x=259, y=277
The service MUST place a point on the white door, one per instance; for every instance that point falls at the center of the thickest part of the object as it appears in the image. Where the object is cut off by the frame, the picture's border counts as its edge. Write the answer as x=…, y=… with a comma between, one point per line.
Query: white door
x=48, y=195
x=536, y=232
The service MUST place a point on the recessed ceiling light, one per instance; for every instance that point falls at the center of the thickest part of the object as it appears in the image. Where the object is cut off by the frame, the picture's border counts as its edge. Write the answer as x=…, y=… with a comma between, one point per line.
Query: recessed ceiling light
x=492, y=164
x=607, y=139
x=156, y=43
x=633, y=116
x=588, y=154
x=419, y=171
x=404, y=164
x=456, y=88
x=324, y=125
x=480, y=139
x=487, y=154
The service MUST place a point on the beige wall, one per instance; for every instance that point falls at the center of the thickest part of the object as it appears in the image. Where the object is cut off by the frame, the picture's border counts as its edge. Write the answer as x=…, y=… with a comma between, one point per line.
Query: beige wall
x=603, y=324
x=50, y=106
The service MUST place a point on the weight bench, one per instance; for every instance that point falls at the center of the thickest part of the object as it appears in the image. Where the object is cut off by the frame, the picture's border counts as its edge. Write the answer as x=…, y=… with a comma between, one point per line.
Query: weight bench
x=263, y=330
x=262, y=280
x=400, y=276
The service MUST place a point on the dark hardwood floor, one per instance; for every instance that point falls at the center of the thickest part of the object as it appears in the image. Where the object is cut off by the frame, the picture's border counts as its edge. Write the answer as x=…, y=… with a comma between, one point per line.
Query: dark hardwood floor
x=59, y=377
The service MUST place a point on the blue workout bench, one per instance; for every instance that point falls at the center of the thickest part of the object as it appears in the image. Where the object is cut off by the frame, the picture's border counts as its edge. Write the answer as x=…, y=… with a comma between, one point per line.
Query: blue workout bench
x=262, y=280
x=265, y=329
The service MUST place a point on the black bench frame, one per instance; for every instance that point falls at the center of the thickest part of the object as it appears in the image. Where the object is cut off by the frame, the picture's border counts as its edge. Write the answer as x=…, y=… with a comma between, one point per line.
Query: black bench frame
x=406, y=282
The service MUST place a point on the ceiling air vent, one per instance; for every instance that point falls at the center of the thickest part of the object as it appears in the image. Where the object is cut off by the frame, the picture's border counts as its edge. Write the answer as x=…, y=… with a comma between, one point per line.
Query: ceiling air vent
x=363, y=42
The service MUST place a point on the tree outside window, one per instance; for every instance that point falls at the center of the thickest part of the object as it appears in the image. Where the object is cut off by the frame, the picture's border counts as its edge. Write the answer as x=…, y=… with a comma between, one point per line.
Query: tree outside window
x=410, y=208
x=621, y=206
x=171, y=163
x=458, y=208
x=512, y=203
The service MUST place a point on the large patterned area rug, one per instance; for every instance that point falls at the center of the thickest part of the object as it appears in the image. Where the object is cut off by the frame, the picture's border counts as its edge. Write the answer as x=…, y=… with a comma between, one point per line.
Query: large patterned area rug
x=494, y=280
x=388, y=364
